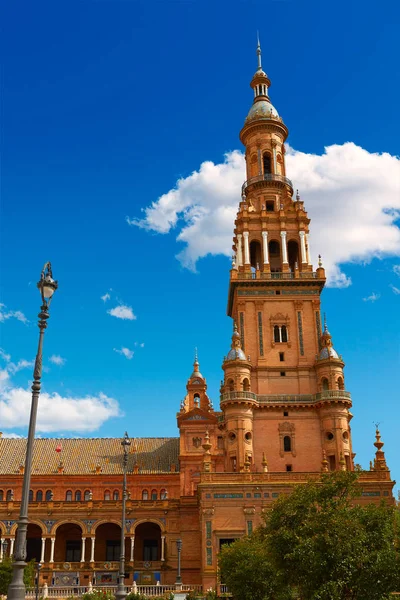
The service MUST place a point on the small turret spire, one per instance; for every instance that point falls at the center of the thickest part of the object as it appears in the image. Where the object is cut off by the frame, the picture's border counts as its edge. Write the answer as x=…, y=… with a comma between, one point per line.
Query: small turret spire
x=259, y=53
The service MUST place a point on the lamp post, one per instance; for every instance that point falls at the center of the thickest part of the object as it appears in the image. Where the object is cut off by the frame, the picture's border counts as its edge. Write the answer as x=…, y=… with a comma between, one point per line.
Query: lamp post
x=4, y=548
x=121, y=590
x=16, y=589
x=179, y=578
x=38, y=567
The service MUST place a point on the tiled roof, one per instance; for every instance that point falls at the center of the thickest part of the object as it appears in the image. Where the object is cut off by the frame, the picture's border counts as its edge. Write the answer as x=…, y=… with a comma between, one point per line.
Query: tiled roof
x=81, y=456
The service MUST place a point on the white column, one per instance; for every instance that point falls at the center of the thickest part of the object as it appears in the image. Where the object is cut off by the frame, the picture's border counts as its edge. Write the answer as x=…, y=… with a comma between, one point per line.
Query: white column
x=2, y=540
x=246, y=248
x=284, y=247
x=303, y=247
x=92, y=549
x=274, y=157
x=265, y=247
x=53, y=541
x=83, y=549
x=132, y=547
x=308, y=249
x=239, y=256
x=12, y=542
x=163, y=547
x=43, y=549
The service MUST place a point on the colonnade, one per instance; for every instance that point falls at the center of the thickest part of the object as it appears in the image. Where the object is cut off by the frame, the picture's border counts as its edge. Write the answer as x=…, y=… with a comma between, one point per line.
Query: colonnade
x=243, y=248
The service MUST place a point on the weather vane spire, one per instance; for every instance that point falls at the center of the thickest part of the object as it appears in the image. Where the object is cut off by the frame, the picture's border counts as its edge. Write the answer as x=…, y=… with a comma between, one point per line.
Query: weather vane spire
x=259, y=53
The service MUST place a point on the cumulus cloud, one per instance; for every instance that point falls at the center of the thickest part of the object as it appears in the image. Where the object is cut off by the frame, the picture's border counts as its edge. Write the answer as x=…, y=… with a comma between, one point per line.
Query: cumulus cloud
x=56, y=412
x=396, y=269
x=21, y=364
x=395, y=289
x=122, y=312
x=56, y=359
x=11, y=314
x=351, y=195
x=4, y=355
x=125, y=352
x=372, y=298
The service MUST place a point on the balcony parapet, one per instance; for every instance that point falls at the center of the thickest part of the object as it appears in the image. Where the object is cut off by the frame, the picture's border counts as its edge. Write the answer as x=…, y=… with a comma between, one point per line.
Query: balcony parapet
x=262, y=275
x=267, y=177
x=328, y=395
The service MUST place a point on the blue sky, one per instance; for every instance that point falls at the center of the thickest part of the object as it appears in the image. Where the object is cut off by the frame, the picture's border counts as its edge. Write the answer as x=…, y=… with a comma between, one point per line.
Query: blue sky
x=105, y=106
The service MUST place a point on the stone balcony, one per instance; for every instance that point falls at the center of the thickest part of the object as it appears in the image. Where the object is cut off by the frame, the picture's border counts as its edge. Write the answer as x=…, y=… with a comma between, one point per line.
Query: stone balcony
x=278, y=399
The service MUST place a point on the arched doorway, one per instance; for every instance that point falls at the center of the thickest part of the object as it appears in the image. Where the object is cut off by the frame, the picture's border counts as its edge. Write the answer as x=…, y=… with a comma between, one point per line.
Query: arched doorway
x=275, y=256
x=33, y=542
x=148, y=542
x=293, y=255
x=108, y=543
x=255, y=254
x=68, y=545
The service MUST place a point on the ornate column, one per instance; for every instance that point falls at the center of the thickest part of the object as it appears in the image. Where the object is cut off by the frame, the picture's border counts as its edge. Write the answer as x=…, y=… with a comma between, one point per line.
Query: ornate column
x=246, y=248
x=53, y=541
x=163, y=547
x=239, y=258
x=93, y=540
x=83, y=550
x=308, y=249
x=132, y=548
x=274, y=155
x=42, y=550
x=284, y=247
x=265, y=247
x=303, y=247
x=12, y=542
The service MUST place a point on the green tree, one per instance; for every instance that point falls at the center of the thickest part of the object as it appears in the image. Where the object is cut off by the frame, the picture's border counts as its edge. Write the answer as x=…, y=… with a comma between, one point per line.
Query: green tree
x=6, y=574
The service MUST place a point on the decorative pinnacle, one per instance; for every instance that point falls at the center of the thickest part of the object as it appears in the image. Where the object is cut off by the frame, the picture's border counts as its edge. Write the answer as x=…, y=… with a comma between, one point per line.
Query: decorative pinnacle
x=319, y=261
x=297, y=196
x=196, y=359
x=325, y=324
x=259, y=53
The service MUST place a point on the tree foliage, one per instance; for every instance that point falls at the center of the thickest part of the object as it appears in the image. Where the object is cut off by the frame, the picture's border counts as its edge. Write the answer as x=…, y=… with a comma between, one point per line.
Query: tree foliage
x=6, y=574
x=318, y=544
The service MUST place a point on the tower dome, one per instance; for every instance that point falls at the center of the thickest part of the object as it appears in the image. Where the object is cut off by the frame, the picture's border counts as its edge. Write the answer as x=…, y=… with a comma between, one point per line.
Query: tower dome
x=236, y=352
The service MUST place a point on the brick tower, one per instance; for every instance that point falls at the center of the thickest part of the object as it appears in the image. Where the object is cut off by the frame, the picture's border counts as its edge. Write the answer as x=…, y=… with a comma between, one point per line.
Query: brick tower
x=283, y=393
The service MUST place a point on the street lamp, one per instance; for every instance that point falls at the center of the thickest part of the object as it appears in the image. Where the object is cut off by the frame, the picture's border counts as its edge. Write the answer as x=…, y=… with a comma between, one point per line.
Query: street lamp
x=4, y=548
x=121, y=590
x=16, y=589
x=179, y=547
x=38, y=567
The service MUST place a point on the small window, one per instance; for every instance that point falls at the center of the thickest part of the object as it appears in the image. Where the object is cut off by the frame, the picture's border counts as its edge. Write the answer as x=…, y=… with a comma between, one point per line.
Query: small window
x=267, y=163
x=68, y=496
x=287, y=443
x=39, y=496
x=233, y=463
x=332, y=463
x=73, y=550
x=87, y=495
x=78, y=495
x=247, y=436
x=154, y=494
x=270, y=207
x=107, y=495
x=163, y=494
x=145, y=495
x=285, y=413
x=1, y=496
x=329, y=436
x=325, y=384
x=220, y=442
x=49, y=495
x=277, y=292
x=284, y=336
x=283, y=373
x=232, y=436
x=30, y=499
x=277, y=335
x=116, y=495
x=113, y=550
x=281, y=356
x=289, y=468
x=346, y=436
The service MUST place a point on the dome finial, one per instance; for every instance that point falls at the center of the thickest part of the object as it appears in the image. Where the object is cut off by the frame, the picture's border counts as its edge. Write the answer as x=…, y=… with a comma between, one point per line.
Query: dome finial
x=196, y=365
x=259, y=53
x=325, y=324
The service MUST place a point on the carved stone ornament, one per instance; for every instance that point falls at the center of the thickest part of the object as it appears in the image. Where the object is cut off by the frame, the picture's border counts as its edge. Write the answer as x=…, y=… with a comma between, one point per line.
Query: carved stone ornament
x=286, y=427
x=208, y=512
x=249, y=511
x=197, y=442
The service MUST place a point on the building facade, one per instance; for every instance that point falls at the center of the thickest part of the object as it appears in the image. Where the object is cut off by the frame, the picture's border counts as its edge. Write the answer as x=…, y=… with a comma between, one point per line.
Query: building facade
x=284, y=415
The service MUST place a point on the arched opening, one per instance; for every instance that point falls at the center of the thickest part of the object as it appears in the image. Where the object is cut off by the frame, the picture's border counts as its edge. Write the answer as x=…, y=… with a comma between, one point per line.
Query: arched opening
x=293, y=255
x=33, y=542
x=267, y=163
x=154, y=494
x=197, y=400
x=287, y=443
x=68, y=546
x=1, y=496
x=9, y=495
x=87, y=495
x=108, y=543
x=279, y=164
x=253, y=166
x=255, y=254
x=30, y=498
x=148, y=542
x=107, y=495
x=68, y=496
x=116, y=495
x=277, y=334
x=145, y=495
x=325, y=384
x=246, y=385
x=78, y=495
x=231, y=385
x=163, y=495
x=275, y=256
x=49, y=495
x=39, y=496
x=340, y=383
x=284, y=334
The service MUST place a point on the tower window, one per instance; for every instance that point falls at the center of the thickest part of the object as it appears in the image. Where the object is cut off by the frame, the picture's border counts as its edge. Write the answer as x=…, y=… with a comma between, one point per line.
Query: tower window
x=287, y=443
x=277, y=292
x=280, y=334
x=281, y=356
x=285, y=413
x=270, y=207
x=68, y=496
x=283, y=374
x=325, y=384
x=267, y=163
x=289, y=468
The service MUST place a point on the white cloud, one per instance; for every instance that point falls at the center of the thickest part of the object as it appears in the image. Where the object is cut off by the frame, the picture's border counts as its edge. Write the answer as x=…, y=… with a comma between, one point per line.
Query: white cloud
x=21, y=364
x=12, y=314
x=4, y=376
x=372, y=298
x=122, y=312
x=139, y=344
x=396, y=269
x=395, y=289
x=56, y=359
x=4, y=355
x=125, y=352
x=12, y=435
x=351, y=195
x=56, y=412
x=105, y=297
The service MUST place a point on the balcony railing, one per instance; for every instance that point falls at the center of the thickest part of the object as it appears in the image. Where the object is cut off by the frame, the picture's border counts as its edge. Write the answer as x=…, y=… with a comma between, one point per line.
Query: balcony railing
x=267, y=177
x=280, y=275
x=292, y=398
